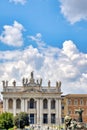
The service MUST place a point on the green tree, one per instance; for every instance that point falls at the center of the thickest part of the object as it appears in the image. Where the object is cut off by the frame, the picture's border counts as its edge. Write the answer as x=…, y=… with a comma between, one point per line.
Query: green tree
x=21, y=120
x=6, y=120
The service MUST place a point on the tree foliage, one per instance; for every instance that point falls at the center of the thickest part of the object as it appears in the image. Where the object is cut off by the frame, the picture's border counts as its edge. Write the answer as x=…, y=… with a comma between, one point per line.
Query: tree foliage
x=6, y=120
x=21, y=120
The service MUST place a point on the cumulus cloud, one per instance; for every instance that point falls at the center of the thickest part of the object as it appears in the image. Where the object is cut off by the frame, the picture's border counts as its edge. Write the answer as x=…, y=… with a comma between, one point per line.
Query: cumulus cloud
x=66, y=64
x=12, y=35
x=18, y=1
x=74, y=10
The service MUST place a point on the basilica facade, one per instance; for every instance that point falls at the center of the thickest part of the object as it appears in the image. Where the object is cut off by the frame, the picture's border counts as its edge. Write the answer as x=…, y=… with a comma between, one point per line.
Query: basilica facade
x=43, y=104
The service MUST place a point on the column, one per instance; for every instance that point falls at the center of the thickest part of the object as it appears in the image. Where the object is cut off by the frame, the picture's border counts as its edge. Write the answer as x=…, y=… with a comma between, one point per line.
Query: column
x=26, y=105
x=14, y=106
x=57, y=112
x=22, y=104
x=35, y=119
x=49, y=113
x=6, y=104
x=41, y=109
x=38, y=111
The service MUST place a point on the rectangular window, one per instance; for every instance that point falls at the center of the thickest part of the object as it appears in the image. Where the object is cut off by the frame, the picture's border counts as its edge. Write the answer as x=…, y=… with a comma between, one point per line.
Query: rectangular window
x=75, y=102
x=45, y=118
x=62, y=119
x=31, y=118
x=81, y=102
x=62, y=107
x=69, y=102
x=53, y=118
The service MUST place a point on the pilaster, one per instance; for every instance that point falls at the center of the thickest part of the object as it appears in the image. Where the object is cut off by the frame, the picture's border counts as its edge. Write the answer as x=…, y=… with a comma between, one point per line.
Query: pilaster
x=6, y=101
x=22, y=105
x=38, y=111
x=57, y=111
x=14, y=106
x=41, y=109
x=26, y=105
x=49, y=113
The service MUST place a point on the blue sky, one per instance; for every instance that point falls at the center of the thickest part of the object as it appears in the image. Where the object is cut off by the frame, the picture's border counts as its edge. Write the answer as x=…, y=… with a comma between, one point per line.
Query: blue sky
x=46, y=36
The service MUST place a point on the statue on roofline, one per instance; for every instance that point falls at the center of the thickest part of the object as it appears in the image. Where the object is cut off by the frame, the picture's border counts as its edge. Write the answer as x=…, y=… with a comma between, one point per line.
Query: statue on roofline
x=32, y=74
x=40, y=81
x=23, y=81
x=49, y=83
x=3, y=82
x=14, y=83
x=56, y=83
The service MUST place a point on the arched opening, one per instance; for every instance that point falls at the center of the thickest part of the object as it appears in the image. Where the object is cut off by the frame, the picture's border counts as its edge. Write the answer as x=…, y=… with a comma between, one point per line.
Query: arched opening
x=10, y=103
x=18, y=103
x=52, y=104
x=45, y=104
x=32, y=103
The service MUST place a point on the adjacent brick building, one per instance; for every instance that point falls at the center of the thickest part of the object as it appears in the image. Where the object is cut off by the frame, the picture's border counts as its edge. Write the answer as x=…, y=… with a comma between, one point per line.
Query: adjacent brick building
x=71, y=102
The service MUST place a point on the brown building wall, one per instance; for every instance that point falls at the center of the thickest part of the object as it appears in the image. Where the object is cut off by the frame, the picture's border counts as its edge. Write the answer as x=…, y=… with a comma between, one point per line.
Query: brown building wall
x=73, y=102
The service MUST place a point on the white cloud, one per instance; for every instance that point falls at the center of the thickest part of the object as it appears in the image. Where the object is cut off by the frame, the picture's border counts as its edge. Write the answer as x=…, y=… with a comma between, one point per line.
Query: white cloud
x=12, y=35
x=18, y=1
x=74, y=10
x=66, y=64
x=69, y=49
x=38, y=40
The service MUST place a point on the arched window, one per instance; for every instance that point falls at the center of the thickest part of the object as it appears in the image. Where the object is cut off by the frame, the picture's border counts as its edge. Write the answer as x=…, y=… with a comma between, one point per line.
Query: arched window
x=32, y=103
x=45, y=104
x=18, y=103
x=53, y=104
x=10, y=103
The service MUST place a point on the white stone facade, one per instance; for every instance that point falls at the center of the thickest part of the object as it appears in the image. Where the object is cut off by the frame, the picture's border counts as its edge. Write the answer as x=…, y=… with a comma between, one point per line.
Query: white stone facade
x=43, y=104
